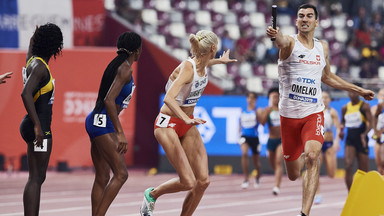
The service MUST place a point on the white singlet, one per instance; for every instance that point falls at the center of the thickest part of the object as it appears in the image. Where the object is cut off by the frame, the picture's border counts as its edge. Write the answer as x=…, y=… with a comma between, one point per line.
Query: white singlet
x=300, y=81
x=191, y=92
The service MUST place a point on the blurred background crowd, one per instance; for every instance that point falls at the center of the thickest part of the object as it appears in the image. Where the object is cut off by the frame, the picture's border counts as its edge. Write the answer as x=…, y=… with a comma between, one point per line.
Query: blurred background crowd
x=353, y=30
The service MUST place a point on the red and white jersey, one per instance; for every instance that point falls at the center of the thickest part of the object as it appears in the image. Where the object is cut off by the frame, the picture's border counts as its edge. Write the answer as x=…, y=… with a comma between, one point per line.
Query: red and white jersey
x=300, y=80
x=191, y=92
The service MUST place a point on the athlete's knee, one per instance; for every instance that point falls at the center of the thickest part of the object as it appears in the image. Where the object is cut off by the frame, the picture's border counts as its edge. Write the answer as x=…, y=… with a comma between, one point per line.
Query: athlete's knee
x=38, y=179
x=102, y=179
x=311, y=158
x=202, y=184
x=121, y=175
x=293, y=175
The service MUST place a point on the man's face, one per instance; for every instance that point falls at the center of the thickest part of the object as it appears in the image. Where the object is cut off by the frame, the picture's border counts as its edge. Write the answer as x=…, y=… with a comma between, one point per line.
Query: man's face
x=306, y=20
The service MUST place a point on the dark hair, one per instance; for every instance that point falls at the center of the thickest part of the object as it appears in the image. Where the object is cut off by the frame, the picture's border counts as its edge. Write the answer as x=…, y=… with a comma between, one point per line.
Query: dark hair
x=274, y=89
x=251, y=93
x=127, y=43
x=47, y=41
x=305, y=6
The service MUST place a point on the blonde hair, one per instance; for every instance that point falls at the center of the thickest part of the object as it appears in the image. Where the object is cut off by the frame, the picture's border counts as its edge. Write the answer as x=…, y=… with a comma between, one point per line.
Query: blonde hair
x=201, y=42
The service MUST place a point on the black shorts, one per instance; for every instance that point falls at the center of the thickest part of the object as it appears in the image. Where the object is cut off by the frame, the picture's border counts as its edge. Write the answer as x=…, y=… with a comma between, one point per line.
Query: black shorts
x=27, y=132
x=353, y=139
x=252, y=142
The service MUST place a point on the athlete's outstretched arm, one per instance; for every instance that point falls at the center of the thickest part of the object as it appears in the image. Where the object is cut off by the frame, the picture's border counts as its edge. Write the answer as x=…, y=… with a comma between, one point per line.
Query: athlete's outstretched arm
x=284, y=42
x=335, y=81
x=5, y=76
x=224, y=59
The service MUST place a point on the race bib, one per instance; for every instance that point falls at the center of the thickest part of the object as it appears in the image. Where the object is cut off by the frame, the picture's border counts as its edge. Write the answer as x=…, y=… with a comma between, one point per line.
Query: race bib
x=163, y=120
x=100, y=120
x=42, y=148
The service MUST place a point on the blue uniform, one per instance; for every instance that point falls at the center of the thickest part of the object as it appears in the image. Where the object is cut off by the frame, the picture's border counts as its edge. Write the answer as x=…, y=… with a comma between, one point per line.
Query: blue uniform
x=98, y=124
x=249, y=126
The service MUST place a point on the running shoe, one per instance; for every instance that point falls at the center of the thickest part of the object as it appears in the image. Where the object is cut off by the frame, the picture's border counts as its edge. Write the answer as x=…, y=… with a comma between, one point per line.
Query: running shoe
x=318, y=199
x=245, y=185
x=148, y=203
x=276, y=190
x=257, y=183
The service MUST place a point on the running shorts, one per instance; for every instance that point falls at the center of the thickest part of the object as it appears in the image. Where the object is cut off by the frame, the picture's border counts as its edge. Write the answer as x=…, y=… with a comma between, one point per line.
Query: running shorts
x=326, y=146
x=296, y=132
x=166, y=121
x=98, y=124
x=27, y=131
x=272, y=144
x=252, y=142
x=354, y=139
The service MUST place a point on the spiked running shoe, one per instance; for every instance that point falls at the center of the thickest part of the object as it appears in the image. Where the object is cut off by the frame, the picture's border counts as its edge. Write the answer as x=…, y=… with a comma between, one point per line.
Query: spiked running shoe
x=148, y=203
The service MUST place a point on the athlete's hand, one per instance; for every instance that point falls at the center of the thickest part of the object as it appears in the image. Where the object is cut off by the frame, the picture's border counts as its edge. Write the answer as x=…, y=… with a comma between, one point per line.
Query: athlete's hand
x=363, y=141
x=225, y=57
x=122, y=143
x=195, y=121
x=367, y=94
x=5, y=76
x=39, y=136
x=271, y=32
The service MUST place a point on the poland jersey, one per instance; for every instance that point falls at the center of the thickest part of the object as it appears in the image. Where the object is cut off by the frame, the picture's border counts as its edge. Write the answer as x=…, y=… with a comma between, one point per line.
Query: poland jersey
x=191, y=92
x=300, y=81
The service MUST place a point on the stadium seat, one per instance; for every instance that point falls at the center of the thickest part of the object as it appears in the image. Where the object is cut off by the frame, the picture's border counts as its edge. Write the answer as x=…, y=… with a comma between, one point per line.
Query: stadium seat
x=220, y=6
x=339, y=22
x=257, y=20
x=203, y=18
x=180, y=54
x=246, y=70
x=250, y=6
x=341, y=35
x=288, y=29
x=149, y=16
x=136, y=4
x=158, y=40
x=233, y=30
x=163, y=5
x=380, y=71
x=177, y=29
x=284, y=20
x=255, y=84
x=193, y=5
x=176, y=16
x=219, y=70
x=271, y=70
x=230, y=18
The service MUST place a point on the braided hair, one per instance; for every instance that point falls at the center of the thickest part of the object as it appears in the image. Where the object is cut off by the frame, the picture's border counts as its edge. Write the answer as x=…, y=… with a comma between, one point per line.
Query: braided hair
x=47, y=41
x=127, y=44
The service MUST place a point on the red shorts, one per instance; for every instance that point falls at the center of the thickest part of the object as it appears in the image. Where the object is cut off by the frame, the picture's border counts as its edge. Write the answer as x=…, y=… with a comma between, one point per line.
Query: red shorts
x=166, y=121
x=296, y=132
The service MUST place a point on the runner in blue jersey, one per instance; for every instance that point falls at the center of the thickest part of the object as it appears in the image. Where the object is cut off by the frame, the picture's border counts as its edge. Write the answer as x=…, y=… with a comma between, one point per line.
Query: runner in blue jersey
x=249, y=123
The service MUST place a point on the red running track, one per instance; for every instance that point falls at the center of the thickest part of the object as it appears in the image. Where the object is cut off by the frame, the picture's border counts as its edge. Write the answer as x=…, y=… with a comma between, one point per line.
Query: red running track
x=66, y=194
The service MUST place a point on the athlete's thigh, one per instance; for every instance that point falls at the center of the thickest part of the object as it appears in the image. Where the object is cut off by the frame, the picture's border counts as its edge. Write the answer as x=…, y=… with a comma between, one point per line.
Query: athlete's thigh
x=244, y=147
x=349, y=154
x=363, y=161
x=170, y=142
x=195, y=150
x=38, y=157
x=107, y=145
x=100, y=164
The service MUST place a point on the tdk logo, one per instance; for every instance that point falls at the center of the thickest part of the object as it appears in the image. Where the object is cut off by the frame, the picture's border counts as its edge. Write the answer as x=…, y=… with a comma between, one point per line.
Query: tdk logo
x=306, y=80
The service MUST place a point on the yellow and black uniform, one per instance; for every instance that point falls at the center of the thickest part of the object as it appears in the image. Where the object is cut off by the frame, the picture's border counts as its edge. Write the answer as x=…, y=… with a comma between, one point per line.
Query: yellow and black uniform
x=356, y=123
x=43, y=97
